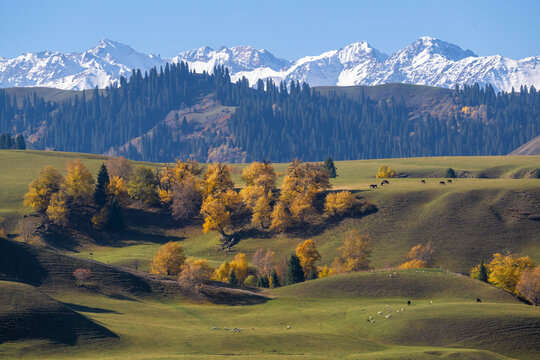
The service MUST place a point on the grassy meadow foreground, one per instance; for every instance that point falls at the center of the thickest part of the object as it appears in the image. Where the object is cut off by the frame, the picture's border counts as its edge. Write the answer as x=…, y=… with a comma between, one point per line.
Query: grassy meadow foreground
x=493, y=207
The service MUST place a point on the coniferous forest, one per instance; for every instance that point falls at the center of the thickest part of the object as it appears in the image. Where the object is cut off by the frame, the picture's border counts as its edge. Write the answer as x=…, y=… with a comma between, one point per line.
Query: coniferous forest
x=277, y=122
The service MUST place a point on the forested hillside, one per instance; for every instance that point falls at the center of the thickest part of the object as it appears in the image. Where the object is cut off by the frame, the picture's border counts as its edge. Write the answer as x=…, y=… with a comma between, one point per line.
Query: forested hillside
x=176, y=113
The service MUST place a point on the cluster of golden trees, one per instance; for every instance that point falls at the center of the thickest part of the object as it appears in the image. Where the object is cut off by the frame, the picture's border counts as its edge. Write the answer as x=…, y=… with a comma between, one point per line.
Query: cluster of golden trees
x=56, y=196
x=189, y=192
x=265, y=271
x=517, y=275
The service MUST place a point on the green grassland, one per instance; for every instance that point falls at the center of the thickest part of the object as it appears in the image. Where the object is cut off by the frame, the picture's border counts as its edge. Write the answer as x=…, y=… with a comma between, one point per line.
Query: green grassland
x=495, y=207
x=332, y=324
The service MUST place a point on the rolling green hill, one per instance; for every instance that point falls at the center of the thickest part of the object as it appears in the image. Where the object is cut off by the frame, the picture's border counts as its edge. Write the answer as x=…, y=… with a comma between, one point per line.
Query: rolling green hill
x=28, y=314
x=494, y=206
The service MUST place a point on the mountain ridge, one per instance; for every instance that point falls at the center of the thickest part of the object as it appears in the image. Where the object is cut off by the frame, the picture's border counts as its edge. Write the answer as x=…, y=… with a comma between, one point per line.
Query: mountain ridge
x=427, y=61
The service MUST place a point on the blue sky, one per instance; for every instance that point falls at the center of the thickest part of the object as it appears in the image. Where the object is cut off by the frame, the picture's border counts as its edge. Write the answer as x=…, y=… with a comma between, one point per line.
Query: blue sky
x=288, y=29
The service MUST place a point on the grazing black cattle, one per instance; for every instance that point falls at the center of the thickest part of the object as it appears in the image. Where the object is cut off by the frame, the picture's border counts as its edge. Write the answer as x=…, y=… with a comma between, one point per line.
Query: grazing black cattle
x=382, y=183
x=449, y=181
x=385, y=182
x=442, y=183
x=373, y=186
x=423, y=181
x=478, y=300
x=408, y=302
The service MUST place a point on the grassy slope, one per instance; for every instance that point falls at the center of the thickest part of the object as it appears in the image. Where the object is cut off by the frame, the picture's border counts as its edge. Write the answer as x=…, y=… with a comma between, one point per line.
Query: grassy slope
x=456, y=218
x=27, y=313
x=323, y=326
x=326, y=315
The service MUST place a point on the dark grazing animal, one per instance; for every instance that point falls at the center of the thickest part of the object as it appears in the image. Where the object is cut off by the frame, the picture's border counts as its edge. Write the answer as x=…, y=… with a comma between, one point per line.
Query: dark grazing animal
x=449, y=181
x=373, y=186
x=423, y=181
x=442, y=183
x=408, y=302
x=385, y=182
x=478, y=300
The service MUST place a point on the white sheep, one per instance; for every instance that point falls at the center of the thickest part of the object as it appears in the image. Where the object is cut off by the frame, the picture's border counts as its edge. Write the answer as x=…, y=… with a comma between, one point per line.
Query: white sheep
x=288, y=327
x=380, y=313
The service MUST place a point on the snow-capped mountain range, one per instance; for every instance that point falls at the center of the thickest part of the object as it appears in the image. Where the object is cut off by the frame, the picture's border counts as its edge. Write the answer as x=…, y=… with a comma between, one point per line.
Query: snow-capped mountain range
x=427, y=61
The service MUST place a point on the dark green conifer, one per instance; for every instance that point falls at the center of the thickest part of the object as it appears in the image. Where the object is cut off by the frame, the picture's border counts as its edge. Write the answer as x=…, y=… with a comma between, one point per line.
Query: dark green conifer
x=329, y=164
x=483, y=275
x=295, y=273
x=233, y=280
x=275, y=279
x=116, y=217
x=100, y=195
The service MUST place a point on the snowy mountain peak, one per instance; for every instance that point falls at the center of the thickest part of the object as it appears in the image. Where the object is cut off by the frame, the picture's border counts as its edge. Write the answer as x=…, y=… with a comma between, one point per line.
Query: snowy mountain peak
x=434, y=46
x=426, y=61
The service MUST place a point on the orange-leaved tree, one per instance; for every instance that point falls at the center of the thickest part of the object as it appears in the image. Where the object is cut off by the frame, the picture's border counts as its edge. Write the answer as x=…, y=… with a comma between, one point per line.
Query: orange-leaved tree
x=308, y=254
x=419, y=257
x=354, y=253
x=168, y=260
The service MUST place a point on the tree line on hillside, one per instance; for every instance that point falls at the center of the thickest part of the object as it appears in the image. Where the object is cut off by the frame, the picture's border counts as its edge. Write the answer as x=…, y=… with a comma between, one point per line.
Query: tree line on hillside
x=272, y=121
x=190, y=193
x=8, y=142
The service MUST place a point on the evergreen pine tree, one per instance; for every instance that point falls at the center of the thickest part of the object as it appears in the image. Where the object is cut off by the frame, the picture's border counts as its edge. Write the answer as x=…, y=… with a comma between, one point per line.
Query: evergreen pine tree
x=100, y=196
x=483, y=276
x=275, y=279
x=450, y=173
x=116, y=218
x=329, y=164
x=233, y=280
x=20, y=143
x=295, y=273
x=260, y=282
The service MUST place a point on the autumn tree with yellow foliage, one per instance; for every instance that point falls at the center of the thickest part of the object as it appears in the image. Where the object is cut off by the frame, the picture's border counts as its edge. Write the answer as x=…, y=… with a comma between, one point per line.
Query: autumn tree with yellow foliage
x=168, y=260
x=385, y=172
x=223, y=212
x=354, y=254
x=169, y=177
x=57, y=211
x=217, y=179
x=419, y=257
x=117, y=188
x=194, y=273
x=299, y=190
x=308, y=254
x=339, y=203
x=281, y=218
x=505, y=271
x=79, y=183
x=42, y=188
x=260, y=174
x=239, y=265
